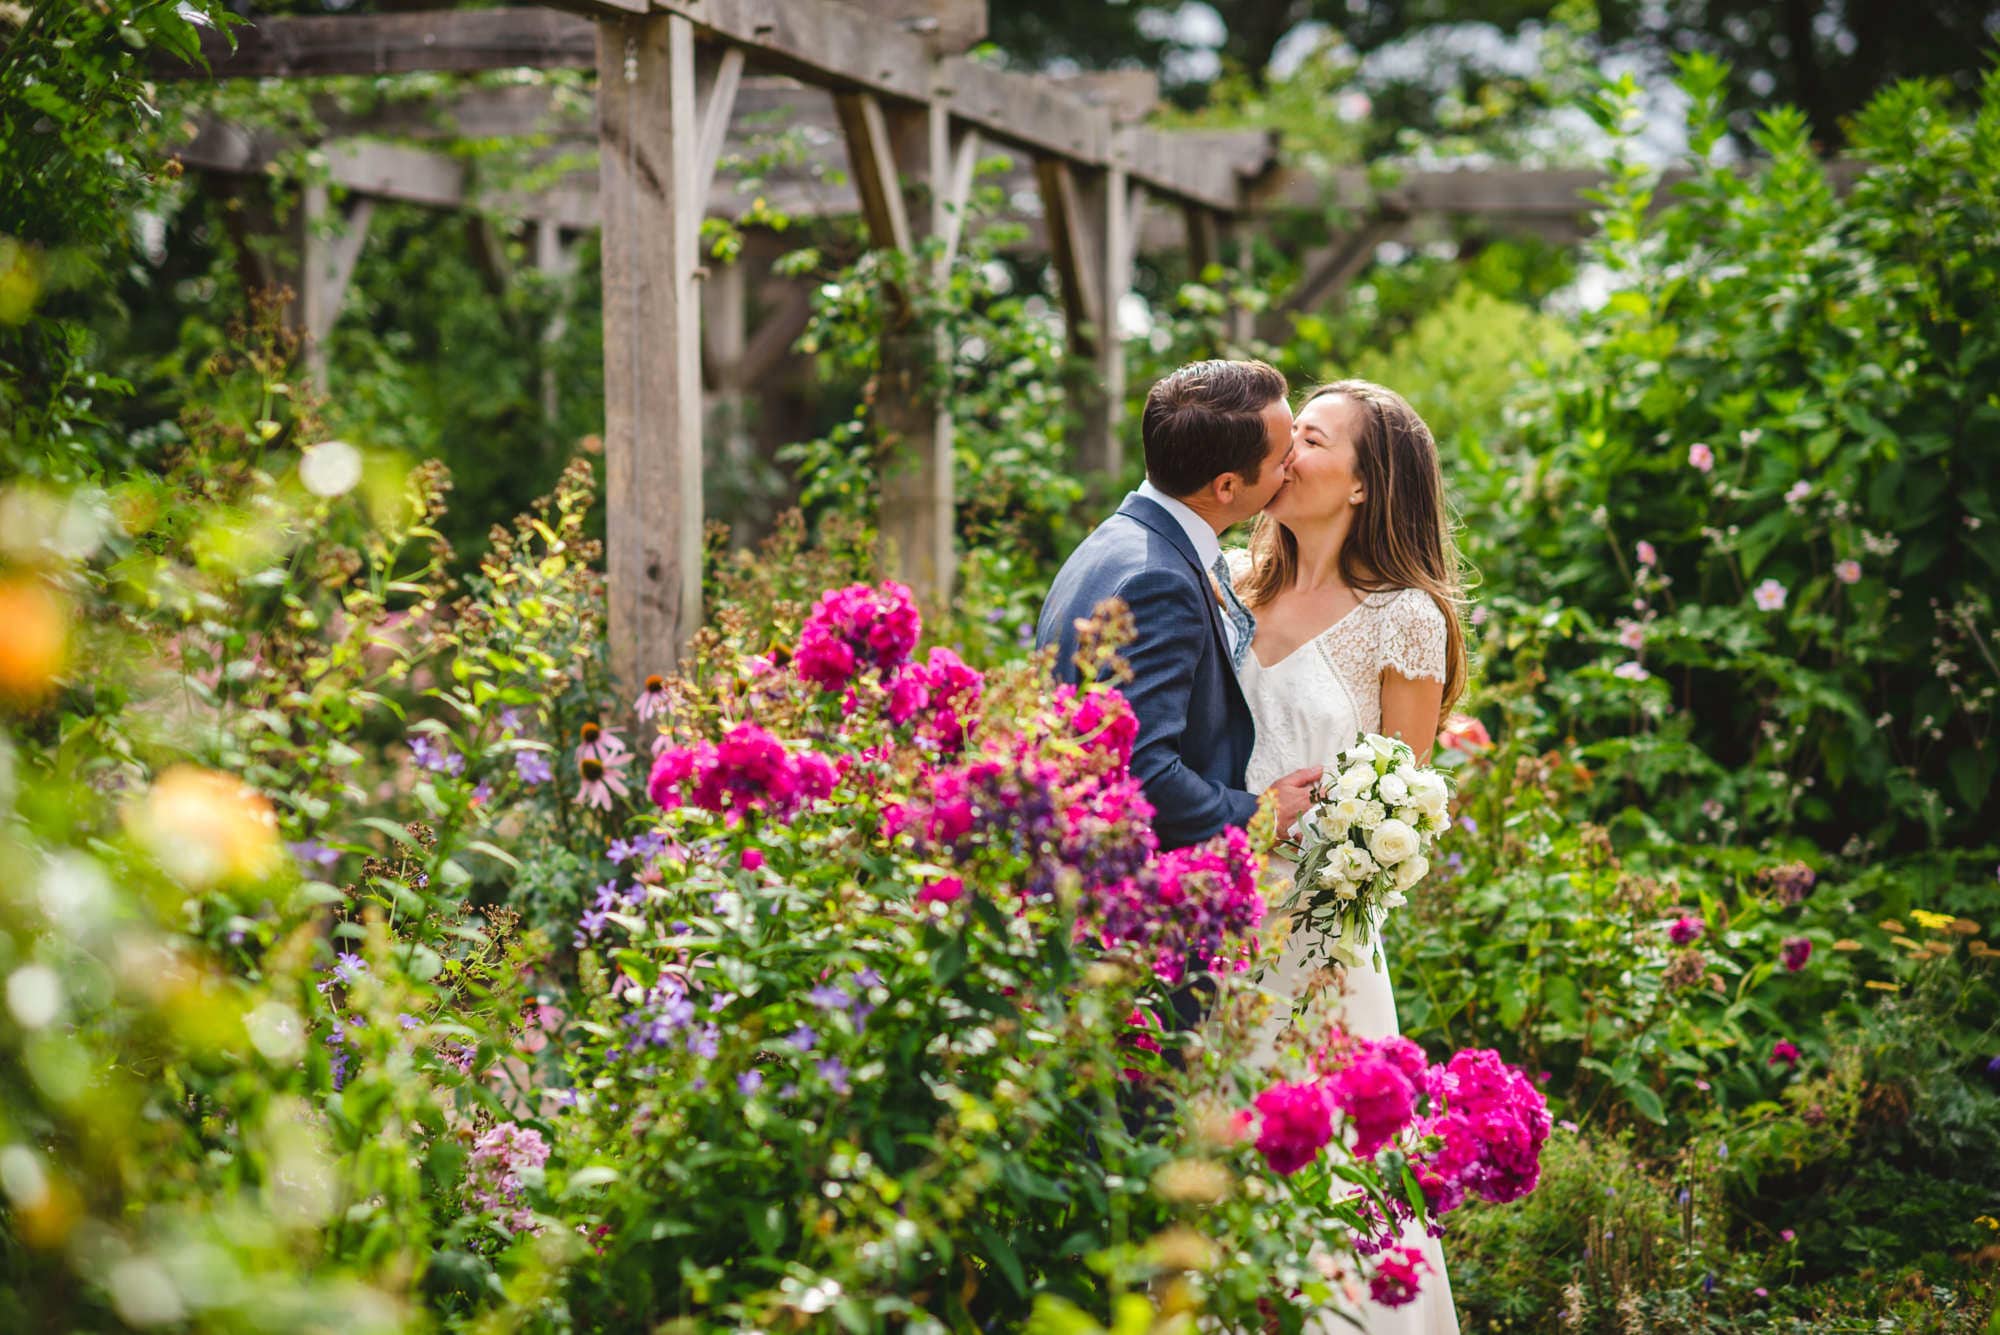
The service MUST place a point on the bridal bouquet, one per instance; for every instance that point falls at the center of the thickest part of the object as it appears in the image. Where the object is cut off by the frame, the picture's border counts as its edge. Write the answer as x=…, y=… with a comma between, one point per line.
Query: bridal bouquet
x=1364, y=841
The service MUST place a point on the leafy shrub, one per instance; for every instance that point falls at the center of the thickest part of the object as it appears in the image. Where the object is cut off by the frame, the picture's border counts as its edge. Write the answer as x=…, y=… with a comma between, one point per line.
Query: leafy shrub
x=1767, y=479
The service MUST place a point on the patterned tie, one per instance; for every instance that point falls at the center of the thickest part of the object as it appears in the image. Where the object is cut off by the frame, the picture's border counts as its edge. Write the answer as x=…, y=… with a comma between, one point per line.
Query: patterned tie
x=1239, y=615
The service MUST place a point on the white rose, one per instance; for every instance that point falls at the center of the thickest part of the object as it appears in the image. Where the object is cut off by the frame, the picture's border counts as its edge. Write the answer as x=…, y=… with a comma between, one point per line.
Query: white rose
x=1349, y=810
x=1351, y=863
x=1429, y=793
x=1392, y=789
x=1354, y=781
x=1410, y=816
x=1392, y=841
x=1395, y=899
x=1372, y=813
x=1410, y=872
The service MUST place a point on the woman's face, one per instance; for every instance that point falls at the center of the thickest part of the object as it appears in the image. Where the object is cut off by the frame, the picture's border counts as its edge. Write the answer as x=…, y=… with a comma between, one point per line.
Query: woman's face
x=1324, y=480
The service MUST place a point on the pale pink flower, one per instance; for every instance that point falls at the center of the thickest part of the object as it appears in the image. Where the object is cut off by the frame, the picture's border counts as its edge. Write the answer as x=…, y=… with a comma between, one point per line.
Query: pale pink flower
x=1631, y=635
x=1630, y=672
x=598, y=743
x=1770, y=596
x=1648, y=556
x=1798, y=491
x=652, y=697
x=1848, y=572
x=600, y=779
x=1701, y=457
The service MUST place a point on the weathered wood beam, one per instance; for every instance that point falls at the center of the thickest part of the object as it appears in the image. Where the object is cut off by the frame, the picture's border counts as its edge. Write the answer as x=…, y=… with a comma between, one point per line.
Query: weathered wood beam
x=652, y=341
x=1073, y=249
x=946, y=26
x=443, y=40
x=875, y=175
x=718, y=74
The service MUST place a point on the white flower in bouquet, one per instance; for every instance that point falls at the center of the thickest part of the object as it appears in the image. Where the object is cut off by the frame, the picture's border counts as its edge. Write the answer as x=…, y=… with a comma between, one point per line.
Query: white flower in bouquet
x=1393, y=841
x=1365, y=841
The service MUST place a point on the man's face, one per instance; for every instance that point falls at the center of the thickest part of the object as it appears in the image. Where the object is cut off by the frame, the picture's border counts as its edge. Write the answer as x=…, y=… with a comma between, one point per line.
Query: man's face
x=1254, y=496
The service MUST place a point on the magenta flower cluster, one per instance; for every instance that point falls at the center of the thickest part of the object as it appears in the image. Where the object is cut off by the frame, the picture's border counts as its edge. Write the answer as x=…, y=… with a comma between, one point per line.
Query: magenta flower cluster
x=493, y=1172
x=1488, y=1132
x=940, y=697
x=1295, y=1122
x=855, y=628
x=749, y=770
x=1394, y=1282
x=1685, y=930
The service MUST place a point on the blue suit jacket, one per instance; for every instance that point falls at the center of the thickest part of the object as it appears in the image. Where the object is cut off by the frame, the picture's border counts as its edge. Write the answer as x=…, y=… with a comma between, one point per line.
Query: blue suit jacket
x=1195, y=731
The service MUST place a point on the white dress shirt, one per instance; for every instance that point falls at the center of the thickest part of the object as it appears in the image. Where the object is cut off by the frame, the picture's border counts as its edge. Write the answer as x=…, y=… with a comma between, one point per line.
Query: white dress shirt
x=1207, y=546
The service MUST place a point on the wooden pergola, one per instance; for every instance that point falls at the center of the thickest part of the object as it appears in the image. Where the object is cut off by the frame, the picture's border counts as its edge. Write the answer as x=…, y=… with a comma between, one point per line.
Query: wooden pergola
x=888, y=81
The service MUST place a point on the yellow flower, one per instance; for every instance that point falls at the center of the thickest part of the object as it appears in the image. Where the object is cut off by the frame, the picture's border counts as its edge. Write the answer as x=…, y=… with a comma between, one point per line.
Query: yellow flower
x=1932, y=922
x=207, y=828
x=1965, y=926
x=1906, y=943
x=1891, y=925
x=1883, y=987
x=1846, y=943
x=1989, y=1221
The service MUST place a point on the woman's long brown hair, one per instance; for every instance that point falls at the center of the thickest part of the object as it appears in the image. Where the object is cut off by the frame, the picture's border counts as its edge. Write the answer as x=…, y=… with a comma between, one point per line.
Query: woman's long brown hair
x=1401, y=536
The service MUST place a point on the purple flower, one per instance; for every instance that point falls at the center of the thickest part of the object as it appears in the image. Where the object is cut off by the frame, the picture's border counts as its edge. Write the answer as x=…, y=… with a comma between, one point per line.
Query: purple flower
x=533, y=767
x=868, y=978
x=482, y=793
x=704, y=1041
x=609, y=896
x=1795, y=951
x=834, y=1074
x=435, y=756
x=346, y=966
x=340, y=1060
x=749, y=1083
x=589, y=927
x=1784, y=1050
x=803, y=1038
x=1468, y=824
x=312, y=853
x=619, y=850
x=510, y=721
x=830, y=998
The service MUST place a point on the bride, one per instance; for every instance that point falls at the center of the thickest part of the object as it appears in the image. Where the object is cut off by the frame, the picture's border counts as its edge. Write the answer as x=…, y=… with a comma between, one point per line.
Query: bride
x=1352, y=578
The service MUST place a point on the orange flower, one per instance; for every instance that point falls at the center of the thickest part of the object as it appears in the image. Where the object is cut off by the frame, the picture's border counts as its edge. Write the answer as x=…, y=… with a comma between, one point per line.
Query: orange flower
x=35, y=642
x=206, y=827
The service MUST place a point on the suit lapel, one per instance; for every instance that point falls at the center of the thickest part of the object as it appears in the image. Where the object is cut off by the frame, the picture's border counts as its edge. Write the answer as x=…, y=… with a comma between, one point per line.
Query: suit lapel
x=1149, y=513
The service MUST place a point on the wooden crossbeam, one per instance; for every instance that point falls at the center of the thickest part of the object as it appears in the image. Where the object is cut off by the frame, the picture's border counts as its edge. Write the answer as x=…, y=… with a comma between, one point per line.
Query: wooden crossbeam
x=820, y=41
x=450, y=41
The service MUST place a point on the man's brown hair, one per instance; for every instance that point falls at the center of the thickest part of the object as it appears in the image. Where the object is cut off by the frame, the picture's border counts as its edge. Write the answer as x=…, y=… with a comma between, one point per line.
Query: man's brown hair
x=1207, y=419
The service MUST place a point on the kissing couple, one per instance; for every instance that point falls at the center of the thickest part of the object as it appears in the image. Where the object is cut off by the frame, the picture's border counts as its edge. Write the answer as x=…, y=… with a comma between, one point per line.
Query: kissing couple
x=1254, y=669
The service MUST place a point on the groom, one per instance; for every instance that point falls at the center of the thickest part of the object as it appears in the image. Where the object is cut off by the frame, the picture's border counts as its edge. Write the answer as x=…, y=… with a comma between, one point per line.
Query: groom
x=1217, y=436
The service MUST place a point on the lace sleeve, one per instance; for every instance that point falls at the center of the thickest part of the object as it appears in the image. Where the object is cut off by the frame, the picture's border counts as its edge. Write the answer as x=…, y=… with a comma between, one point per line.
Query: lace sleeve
x=1413, y=634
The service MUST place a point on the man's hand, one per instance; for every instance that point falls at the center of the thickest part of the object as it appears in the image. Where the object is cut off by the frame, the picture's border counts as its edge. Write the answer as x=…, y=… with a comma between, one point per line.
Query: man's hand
x=1294, y=793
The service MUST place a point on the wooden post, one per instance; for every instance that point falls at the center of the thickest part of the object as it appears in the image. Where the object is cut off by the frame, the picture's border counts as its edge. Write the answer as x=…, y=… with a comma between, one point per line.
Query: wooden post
x=918, y=504
x=1090, y=242
x=648, y=134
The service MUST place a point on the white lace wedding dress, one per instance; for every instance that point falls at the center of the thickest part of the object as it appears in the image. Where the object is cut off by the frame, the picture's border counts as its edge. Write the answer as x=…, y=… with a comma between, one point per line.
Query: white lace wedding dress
x=1309, y=706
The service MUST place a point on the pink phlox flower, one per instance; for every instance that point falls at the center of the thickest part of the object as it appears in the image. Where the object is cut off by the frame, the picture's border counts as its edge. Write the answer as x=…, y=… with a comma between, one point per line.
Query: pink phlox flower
x=1296, y=1123
x=857, y=627
x=1769, y=596
x=1701, y=458
x=493, y=1171
x=944, y=890
x=1394, y=1282
x=1795, y=951
x=1686, y=930
x=1377, y=1097
x=1785, y=1051
x=1847, y=572
x=1648, y=554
